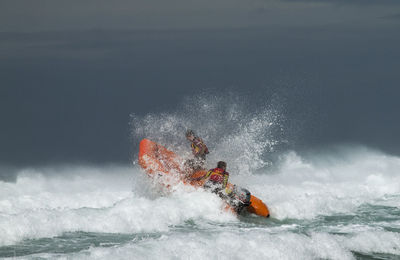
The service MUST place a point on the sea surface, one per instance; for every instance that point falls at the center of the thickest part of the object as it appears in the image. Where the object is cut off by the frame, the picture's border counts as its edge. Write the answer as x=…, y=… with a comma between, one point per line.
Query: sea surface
x=339, y=205
x=332, y=202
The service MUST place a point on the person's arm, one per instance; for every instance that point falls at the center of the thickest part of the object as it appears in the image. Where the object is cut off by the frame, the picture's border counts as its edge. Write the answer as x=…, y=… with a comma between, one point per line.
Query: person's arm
x=205, y=176
x=226, y=177
x=203, y=149
x=200, y=147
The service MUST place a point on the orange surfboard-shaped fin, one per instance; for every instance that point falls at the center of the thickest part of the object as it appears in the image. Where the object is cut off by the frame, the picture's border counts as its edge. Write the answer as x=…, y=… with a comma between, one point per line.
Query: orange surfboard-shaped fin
x=258, y=207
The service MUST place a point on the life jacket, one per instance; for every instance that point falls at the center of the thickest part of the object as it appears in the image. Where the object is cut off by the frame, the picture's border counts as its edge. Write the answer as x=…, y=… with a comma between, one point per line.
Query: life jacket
x=218, y=176
x=197, y=144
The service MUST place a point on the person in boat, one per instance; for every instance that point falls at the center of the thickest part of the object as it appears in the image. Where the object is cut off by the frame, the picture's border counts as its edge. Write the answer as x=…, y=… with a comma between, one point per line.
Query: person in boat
x=217, y=180
x=199, y=150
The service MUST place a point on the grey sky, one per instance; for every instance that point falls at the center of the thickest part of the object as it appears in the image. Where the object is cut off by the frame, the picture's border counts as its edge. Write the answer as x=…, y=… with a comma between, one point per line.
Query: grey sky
x=44, y=15
x=71, y=72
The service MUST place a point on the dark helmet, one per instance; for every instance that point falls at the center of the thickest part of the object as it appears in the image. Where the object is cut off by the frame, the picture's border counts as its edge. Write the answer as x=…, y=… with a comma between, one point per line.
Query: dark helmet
x=189, y=133
x=221, y=164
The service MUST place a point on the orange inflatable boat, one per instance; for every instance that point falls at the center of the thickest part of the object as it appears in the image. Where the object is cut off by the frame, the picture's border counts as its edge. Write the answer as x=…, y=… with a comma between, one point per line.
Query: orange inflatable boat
x=159, y=162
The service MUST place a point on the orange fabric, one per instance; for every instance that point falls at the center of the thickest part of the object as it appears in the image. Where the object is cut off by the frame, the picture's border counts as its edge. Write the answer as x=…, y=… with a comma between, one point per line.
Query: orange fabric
x=258, y=207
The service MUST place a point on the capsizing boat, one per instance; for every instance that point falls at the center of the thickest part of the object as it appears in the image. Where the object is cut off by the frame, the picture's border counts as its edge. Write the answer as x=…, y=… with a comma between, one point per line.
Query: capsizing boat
x=159, y=162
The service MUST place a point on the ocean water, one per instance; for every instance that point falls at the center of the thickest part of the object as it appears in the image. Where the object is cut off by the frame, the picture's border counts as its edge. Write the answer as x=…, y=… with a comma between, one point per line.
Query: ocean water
x=344, y=205
x=342, y=202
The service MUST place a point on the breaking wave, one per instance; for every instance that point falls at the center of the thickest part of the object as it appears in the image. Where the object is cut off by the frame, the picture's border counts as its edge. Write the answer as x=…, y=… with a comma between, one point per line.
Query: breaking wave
x=339, y=203
x=347, y=203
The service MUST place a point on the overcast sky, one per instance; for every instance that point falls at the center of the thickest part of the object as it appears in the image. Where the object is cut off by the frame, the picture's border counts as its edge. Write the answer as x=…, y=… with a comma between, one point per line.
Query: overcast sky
x=71, y=72
x=44, y=15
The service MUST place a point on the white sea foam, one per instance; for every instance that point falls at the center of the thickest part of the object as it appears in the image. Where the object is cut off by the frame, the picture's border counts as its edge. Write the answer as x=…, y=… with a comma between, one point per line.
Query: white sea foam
x=252, y=244
x=48, y=202
x=95, y=201
x=305, y=188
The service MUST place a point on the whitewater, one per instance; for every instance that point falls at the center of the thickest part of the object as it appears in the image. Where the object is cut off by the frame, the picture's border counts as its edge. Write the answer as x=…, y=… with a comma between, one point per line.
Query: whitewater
x=341, y=208
x=340, y=202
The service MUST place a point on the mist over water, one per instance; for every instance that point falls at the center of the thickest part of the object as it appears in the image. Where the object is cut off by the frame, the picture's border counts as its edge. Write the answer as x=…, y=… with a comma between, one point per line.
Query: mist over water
x=235, y=130
x=340, y=203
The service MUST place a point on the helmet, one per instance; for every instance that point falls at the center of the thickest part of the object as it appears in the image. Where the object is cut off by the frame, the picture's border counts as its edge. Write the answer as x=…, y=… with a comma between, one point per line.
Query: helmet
x=189, y=133
x=221, y=164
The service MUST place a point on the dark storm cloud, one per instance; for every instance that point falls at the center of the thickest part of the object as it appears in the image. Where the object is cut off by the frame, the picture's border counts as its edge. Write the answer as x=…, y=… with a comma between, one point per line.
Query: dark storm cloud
x=392, y=17
x=67, y=96
x=87, y=14
x=351, y=2
x=68, y=82
x=48, y=15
